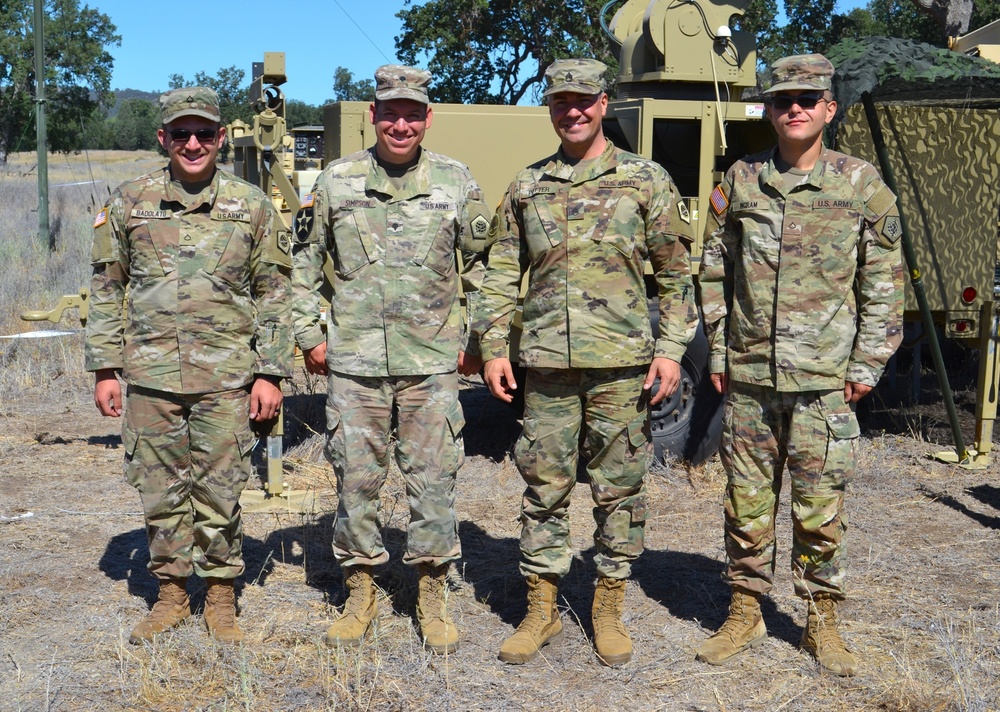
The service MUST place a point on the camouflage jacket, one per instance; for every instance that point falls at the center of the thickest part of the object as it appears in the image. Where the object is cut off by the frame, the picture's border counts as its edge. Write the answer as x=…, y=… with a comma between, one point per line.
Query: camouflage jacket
x=802, y=290
x=208, y=286
x=394, y=309
x=585, y=239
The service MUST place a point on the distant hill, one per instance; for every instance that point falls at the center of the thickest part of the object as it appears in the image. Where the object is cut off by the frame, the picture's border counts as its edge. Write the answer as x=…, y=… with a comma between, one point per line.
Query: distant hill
x=123, y=94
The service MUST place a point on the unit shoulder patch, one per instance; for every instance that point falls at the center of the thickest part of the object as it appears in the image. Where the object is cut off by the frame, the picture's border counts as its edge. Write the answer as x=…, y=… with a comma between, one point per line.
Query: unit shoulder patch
x=480, y=227
x=683, y=212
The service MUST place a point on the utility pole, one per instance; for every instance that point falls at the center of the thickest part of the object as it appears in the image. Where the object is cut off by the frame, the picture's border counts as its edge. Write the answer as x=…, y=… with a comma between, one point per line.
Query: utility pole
x=42, y=131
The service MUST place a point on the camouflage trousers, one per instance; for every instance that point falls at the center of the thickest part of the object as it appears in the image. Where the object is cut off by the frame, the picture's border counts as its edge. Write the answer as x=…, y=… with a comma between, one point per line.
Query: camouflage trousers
x=429, y=451
x=813, y=435
x=609, y=407
x=189, y=457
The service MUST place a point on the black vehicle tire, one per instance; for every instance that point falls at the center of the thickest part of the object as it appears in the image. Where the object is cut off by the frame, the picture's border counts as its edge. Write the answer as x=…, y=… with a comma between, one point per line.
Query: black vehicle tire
x=688, y=424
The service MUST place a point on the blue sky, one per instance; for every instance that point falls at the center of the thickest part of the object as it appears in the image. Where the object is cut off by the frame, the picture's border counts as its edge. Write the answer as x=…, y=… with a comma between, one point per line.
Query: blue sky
x=186, y=37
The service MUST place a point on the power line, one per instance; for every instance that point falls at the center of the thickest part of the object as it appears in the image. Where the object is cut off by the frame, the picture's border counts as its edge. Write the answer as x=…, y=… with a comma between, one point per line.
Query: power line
x=361, y=30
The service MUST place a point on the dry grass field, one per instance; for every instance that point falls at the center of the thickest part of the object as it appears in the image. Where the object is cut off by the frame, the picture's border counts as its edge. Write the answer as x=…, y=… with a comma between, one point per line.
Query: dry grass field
x=924, y=612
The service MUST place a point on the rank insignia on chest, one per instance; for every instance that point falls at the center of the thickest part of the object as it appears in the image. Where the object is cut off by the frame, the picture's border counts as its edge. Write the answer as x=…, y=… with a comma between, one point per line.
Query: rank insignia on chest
x=719, y=201
x=683, y=212
x=307, y=200
x=102, y=217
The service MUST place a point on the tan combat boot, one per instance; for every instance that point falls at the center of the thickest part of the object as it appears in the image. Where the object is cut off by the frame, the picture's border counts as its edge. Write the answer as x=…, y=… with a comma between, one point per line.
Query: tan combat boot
x=614, y=647
x=171, y=608
x=540, y=626
x=359, y=609
x=220, y=611
x=743, y=629
x=436, y=626
x=822, y=640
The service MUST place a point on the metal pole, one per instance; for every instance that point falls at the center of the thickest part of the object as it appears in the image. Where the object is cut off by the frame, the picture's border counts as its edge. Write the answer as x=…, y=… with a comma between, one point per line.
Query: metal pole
x=916, y=279
x=42, y=142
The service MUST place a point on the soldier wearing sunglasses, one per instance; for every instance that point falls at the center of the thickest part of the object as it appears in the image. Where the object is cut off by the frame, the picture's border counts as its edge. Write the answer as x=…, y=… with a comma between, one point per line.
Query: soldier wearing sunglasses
x=801, y=289
x=202, y=348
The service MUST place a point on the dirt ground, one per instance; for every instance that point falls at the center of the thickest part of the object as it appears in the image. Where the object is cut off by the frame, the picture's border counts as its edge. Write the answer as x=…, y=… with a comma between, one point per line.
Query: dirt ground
x=923, y=615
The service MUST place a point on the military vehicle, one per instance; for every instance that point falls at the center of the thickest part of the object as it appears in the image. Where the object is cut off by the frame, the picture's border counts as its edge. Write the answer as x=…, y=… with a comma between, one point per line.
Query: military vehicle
x=683, y=71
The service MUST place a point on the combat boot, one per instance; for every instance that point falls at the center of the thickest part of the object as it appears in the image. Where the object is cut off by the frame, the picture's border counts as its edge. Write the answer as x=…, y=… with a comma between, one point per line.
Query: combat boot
x=220, y=611
x=433, y=610
x=822, y=640
x=171, y=608
x=743, y=629
x=540, y=626
x=360, y=609
x=614, y=647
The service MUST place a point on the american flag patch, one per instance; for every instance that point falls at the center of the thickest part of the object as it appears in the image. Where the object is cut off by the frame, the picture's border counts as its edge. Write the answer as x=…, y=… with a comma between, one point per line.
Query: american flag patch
x=102, y=217
x=719, y=201
x=307, y=200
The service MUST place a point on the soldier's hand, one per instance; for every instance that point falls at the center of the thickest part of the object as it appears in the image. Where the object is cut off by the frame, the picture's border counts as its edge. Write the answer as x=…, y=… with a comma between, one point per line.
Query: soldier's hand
x=499, y=376
x=669, y=373
x=720, y=381
x=853, y=392
x=315, y=359
x=108, y=393
x=468, y=365
x=265, y=399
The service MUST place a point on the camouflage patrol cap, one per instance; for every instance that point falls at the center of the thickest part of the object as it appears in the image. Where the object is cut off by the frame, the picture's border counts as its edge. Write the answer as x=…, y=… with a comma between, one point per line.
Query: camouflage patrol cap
x=190, y=101
x=396, y=81
x=801, y=71
x=582, y=76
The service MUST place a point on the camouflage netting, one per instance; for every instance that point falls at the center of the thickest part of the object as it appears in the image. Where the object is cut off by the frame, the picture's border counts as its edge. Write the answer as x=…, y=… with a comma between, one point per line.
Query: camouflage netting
x=896, y=70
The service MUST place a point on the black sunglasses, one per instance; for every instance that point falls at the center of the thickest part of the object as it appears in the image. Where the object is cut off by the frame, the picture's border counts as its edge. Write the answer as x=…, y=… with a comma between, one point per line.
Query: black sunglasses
x=184, y=135
x=783, y=102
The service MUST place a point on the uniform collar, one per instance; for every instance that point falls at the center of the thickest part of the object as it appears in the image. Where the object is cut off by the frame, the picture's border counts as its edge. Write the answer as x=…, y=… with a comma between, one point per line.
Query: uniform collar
x=173, y=192
x=770, y=175
x=559, y=167
x=418, y=181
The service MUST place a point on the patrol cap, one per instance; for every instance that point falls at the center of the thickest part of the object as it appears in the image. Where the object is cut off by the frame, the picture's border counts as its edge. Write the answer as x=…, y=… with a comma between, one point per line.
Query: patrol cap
x=396, y=81
x=190, y=101
x=801, y=71
x=582, y=76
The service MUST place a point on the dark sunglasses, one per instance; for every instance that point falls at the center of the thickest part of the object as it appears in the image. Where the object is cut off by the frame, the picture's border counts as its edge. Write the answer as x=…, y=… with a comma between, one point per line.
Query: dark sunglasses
x=783, y=102
x=184, y=135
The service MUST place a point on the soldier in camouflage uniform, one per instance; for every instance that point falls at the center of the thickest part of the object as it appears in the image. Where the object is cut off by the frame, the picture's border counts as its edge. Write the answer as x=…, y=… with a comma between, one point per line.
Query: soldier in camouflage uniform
x=203, y=347
x=801, y=290
x=391, y=218
x=584, y=221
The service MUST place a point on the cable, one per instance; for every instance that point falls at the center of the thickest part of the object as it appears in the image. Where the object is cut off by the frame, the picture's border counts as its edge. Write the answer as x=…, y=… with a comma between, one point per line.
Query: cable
x=361, y=30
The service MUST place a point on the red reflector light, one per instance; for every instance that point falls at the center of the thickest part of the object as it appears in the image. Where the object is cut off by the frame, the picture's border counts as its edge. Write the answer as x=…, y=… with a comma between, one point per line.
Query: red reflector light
x=962, y=326
x=969, y=295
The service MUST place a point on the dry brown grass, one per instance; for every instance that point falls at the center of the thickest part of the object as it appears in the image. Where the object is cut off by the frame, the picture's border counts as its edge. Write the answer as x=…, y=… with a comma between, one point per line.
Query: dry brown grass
x=923, y=613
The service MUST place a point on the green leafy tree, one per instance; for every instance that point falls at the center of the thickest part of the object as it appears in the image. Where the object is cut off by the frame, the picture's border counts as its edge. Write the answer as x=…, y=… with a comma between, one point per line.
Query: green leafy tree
x=345, y=88
x=760, y=18
x=77, y=75
x=497, y=51
x=809, y=27
x=134, y=127
x=299, y=113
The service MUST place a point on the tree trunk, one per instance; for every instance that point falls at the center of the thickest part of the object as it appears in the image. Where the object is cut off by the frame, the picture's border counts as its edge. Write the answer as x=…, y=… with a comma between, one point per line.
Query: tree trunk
x=952, y=15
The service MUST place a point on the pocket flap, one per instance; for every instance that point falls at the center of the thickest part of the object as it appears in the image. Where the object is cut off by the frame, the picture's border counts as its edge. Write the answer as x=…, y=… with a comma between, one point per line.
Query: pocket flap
x=843, y=426
x=245, y=439
x=638, y=431
x=130, y=438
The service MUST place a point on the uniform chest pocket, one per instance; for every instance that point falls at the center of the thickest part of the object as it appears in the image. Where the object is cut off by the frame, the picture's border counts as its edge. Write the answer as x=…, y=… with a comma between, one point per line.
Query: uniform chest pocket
x=620, y=224
x=153, y=247
x=543, y=229
x=352, y=242
x=228, y=254
x=436, y=250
